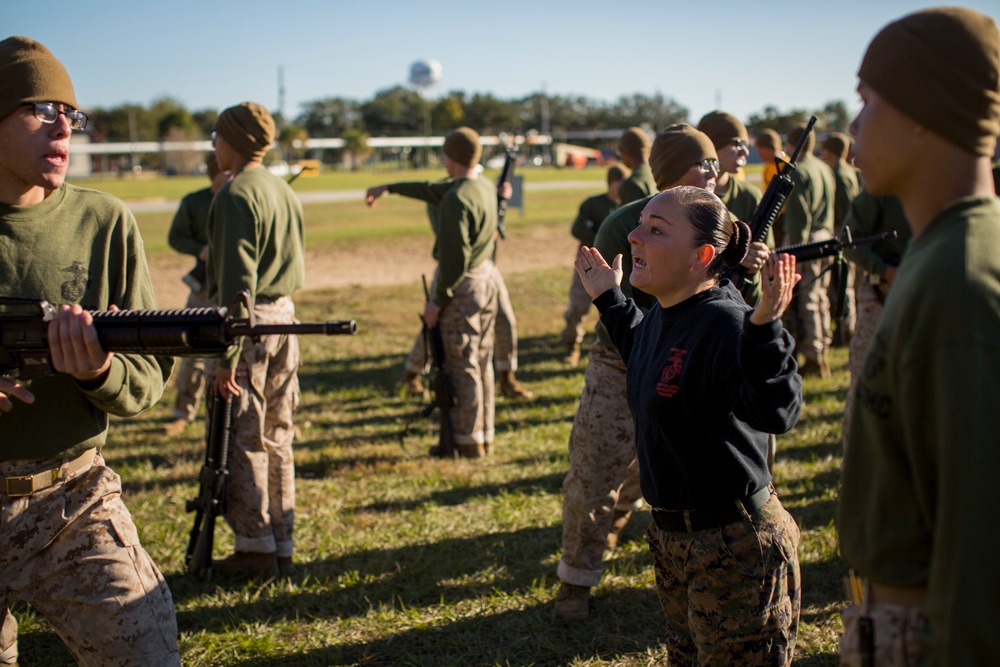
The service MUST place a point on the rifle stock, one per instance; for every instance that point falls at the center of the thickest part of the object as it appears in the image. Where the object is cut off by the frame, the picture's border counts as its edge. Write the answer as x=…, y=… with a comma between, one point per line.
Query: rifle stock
x=187, y=332
x=444, y=394
x=211, y=500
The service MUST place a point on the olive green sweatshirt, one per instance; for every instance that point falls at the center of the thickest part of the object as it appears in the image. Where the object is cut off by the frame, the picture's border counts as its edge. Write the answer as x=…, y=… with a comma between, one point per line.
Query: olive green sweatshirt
x=809, y=208
x=255, y=239
x=639, y=185
x=76, y=246
x=868, y=215
x=188, y=231
x=467, y=219
x=918, y=494
x=593, y=211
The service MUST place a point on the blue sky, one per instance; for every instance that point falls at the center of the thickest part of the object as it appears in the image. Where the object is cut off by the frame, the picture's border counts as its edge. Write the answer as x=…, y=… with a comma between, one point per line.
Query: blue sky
x=741, y=56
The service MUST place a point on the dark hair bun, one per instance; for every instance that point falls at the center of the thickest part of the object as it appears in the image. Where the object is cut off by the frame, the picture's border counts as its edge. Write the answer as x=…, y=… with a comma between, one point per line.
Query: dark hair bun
x=739, y=244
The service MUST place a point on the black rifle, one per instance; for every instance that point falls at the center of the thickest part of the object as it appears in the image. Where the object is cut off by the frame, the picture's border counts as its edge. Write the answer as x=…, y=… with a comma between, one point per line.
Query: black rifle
x=804, y=252
x=771, y=203
x=187, y=332
x=506, y=174
x=444, y=398
x=211, y=500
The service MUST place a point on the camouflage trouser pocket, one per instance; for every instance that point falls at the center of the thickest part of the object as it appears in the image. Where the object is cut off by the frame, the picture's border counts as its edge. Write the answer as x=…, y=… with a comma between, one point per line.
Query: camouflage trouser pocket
x=897, y=635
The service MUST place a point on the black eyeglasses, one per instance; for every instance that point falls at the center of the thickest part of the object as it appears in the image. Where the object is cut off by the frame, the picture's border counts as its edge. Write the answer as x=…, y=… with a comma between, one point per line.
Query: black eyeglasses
x=48, y=112
x=740, y=144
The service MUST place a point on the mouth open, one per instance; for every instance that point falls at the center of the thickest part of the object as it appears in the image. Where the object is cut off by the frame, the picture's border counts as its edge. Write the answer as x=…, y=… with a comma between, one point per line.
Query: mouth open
x=58, y=158
x=638, y=262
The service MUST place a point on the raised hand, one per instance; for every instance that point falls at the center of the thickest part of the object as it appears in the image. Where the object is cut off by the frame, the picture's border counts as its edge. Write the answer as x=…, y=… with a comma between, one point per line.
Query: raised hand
x=594, y=272
x=777, y=287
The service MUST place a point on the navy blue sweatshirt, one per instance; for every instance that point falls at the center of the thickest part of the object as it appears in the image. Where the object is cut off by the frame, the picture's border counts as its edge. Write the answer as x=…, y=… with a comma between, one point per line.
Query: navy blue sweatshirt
x=705, y=386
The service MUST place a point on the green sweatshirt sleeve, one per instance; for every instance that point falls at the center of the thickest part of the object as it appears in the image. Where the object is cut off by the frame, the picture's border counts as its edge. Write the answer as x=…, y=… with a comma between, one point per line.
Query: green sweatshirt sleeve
x=425, y=191
x=187, y=231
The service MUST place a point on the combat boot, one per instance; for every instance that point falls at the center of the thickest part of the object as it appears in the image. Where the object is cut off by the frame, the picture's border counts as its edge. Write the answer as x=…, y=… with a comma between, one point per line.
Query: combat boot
x=572, y=357
x=414, y=385
x=511, y=388
x=174, y=427
x=248, y=564
x=815, y=367
x=572, y=602
x=471, y=451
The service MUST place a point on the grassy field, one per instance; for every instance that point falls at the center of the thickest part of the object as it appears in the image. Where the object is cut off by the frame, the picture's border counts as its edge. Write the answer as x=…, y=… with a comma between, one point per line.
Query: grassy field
x=407, y=560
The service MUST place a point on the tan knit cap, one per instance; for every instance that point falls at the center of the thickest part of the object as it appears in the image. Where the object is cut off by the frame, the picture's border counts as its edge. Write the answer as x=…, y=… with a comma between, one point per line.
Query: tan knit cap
x=941, y=67
x=723, y=128
x=677, y=149
x=795, y=134
x=634, y=142
x=838, y=144
x=462, y=146
x=248, y=128
x=30, y=73
x=768, y=138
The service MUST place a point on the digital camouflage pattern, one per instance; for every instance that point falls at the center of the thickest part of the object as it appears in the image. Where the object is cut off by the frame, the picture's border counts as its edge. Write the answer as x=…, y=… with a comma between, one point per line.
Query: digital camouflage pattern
x=467, y=331
x=260, y=497
x=603, y=472
x=731, y=595
x=897, y=635
x=869, y=307
x=505, y=336
x=75, y=556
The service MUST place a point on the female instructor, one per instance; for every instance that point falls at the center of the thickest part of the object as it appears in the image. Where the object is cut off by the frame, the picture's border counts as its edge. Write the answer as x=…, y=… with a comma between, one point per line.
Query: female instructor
x=707, y=379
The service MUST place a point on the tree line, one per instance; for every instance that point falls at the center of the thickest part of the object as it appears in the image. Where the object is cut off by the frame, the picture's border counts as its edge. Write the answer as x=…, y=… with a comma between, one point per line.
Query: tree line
x=402, y=111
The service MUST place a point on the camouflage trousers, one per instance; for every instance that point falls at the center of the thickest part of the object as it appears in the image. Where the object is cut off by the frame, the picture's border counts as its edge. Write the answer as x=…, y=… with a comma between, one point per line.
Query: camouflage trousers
x=869, y=310
x=579, y=305
x=603, y=470
x=731, y=595
x=810, y=311
x=897, y=634
x=505, y=336
x=190, y=375
x=73, y=552
x=260, y=496
x=467, y=324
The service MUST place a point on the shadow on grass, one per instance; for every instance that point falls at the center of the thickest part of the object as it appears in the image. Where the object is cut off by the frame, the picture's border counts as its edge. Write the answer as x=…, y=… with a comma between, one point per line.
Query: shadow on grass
x=445, y=572
x=529, y=636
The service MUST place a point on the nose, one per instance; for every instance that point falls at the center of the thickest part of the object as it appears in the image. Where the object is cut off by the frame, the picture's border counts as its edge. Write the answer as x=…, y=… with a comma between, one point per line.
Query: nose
x=635, y=235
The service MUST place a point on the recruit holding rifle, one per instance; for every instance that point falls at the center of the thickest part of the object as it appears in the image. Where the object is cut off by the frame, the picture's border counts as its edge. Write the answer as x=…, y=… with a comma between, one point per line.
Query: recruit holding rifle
x=772, y=202
x=188, y=332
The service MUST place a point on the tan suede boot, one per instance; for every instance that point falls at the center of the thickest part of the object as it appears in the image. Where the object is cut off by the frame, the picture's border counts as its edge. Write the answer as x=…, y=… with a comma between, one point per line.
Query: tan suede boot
x=414, y=385
x=511, y=388
x=572, y=602
x=572, y=357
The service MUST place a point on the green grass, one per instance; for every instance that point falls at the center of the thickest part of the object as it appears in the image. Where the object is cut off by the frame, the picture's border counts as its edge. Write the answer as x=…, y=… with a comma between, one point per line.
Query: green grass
x=407, y=560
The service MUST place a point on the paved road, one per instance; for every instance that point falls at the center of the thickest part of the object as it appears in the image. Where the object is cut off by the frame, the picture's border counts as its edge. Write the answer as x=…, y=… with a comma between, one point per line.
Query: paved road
x=148, y=206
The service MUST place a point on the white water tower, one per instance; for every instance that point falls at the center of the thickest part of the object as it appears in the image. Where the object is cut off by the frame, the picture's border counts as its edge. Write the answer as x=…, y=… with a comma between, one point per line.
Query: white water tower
x=425, y=73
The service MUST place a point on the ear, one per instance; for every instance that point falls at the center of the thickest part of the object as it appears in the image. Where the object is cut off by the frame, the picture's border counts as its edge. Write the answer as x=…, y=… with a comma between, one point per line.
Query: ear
x=703, y=256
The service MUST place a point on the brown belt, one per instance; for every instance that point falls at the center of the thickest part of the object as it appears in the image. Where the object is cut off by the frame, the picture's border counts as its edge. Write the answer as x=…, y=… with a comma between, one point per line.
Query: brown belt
x=906, y=597
x=25, y=485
